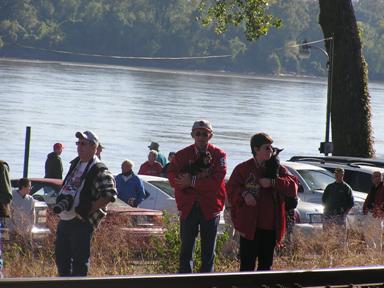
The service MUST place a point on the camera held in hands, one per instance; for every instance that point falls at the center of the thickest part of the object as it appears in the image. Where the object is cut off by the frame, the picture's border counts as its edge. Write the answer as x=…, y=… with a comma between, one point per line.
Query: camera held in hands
x=64, y=202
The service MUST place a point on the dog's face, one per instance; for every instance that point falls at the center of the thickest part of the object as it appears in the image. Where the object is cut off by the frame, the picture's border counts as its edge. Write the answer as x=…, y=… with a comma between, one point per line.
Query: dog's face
x=207, y=158
x=272, y=165
x=276, y=151
x=204, y=160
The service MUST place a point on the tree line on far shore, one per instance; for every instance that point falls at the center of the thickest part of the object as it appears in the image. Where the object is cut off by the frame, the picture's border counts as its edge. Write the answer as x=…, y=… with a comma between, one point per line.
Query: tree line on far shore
x=168, y=28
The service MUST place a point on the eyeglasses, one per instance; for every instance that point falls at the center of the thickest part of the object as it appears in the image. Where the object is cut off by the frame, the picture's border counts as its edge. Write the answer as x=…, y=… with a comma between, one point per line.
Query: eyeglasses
x=201, y=133
x=81, y=143
x=268, y=148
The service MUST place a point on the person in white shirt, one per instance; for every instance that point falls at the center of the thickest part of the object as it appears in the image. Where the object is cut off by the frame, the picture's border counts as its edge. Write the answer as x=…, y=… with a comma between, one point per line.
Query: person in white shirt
x=22, y=209
x=91, y=186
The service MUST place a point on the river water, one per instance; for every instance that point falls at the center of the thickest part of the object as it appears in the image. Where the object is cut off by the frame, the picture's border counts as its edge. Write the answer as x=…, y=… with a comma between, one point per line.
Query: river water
x=127, y=108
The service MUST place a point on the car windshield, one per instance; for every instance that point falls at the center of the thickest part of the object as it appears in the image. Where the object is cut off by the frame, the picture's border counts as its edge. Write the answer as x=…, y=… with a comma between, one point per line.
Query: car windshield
x=317, y=179
x=41, y=189
x=359, y=180
x=164, y=186
x=44, y=192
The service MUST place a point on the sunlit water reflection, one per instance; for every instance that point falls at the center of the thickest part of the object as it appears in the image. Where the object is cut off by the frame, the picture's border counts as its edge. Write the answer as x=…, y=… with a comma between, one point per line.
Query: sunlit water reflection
x=128, y=108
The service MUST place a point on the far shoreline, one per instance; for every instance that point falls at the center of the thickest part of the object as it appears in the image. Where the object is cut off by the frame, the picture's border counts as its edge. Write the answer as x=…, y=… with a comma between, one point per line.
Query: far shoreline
x=209, y=73
x=148, y=69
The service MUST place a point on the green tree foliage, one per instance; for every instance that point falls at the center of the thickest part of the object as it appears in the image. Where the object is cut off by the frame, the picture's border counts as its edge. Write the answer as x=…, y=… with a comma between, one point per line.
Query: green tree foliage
x=372, y=32
x=251, y=14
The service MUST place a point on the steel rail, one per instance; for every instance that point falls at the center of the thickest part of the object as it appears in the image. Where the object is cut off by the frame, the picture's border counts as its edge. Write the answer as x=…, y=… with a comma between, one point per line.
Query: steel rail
x=347, y=277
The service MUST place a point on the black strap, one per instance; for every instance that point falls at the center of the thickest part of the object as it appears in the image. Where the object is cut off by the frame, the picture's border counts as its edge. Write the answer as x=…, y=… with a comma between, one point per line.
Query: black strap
x=74, y=163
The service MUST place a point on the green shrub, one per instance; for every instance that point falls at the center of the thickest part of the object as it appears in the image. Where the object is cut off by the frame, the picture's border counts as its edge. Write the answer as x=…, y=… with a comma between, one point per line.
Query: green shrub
x=166, y=251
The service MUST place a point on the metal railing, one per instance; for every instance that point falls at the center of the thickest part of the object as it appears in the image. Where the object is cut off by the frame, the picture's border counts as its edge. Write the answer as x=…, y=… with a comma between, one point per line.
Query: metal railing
x=342, y=277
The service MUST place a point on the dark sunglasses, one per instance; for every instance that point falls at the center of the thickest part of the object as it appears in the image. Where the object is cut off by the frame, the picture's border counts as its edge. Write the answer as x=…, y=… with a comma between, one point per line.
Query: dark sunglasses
x=202, y=134
x=81, y=143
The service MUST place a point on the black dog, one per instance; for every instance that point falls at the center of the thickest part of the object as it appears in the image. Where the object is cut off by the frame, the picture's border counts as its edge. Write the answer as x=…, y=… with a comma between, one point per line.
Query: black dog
x=272, y=171
x=203, y=162
x=272, y=165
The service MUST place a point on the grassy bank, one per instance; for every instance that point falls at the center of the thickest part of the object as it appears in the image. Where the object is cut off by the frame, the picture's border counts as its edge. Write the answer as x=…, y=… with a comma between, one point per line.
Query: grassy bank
x=125, y=254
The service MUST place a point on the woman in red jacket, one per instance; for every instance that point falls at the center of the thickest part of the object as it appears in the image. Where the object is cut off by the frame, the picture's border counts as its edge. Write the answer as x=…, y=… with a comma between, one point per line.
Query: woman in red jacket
x=257, y=205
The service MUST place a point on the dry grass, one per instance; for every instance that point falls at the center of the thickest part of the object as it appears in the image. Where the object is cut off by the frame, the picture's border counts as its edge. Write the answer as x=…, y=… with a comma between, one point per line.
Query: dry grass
x=116, y=253
x=21, y=259
x=326, y=250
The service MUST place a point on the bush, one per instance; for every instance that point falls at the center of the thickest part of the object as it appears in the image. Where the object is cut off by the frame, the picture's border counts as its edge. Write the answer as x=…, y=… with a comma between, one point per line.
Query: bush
x=167, y=251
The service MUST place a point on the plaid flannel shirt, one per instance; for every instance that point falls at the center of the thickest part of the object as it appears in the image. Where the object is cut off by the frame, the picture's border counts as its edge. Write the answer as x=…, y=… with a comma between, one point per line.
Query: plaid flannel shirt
x=103, y=186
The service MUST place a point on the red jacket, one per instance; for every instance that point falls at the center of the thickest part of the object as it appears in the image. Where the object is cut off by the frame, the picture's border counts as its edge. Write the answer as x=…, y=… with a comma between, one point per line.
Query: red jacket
x=153, y=170
x=269, y=212
x=208, y=191
x=375, y=201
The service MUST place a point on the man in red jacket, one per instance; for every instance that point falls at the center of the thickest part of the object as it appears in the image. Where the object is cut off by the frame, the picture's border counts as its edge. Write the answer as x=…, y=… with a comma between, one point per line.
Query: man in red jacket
x=257, y=204
x=374, y=210
x=197, y=173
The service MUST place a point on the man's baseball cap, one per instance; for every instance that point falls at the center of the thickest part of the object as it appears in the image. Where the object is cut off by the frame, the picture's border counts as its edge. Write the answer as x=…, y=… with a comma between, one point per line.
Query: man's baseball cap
x=154, y=145
x=202, y=124
x=58, y=146
x=89, y=136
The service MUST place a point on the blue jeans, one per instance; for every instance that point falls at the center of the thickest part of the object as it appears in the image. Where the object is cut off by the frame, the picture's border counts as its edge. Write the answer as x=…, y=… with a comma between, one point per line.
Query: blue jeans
x=189, y=228
x=73, y=247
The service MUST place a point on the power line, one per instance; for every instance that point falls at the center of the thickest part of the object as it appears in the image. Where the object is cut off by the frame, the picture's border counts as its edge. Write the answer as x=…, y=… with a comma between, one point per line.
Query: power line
x=126, y=57
x=304, y=44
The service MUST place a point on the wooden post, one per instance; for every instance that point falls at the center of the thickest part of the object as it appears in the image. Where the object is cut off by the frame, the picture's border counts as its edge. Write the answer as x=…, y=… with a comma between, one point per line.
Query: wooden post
x=26, y=151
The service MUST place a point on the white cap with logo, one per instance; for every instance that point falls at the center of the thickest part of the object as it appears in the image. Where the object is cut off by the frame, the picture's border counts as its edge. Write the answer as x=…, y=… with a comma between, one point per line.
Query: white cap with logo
x=89, y=136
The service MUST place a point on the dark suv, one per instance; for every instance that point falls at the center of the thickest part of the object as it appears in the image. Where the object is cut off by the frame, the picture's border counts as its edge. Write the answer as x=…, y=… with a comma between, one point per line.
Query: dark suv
x=358, y=171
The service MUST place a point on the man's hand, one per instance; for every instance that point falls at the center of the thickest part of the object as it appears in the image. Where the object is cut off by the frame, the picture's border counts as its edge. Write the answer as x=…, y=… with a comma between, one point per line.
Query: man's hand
x=265, y=182
x=184, y=180
x=203, y=174
x=378, y=213
x=99, y=203
x=249, y=199
x=132, y=202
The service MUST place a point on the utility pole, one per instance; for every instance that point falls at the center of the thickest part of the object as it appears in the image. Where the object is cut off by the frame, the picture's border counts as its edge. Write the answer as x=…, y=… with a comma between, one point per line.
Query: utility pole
x=326, y=147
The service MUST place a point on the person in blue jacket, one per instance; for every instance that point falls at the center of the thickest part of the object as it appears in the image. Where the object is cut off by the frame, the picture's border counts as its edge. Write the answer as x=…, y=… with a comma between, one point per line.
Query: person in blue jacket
x=130, y=188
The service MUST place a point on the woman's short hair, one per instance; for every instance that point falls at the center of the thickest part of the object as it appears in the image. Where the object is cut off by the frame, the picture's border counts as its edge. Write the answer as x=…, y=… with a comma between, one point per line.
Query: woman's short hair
x=154, y=152
x=24, y=182
x=129, y=162
x=260, y=139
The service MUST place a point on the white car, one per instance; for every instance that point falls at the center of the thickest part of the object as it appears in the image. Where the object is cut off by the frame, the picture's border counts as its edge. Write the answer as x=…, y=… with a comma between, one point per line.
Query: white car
x=308, y=218
x=161, y=196
x=312, y=182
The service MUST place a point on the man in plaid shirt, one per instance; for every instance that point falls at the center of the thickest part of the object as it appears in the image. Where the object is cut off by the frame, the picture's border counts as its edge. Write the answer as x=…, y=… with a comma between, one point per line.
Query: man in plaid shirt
x=81, y=204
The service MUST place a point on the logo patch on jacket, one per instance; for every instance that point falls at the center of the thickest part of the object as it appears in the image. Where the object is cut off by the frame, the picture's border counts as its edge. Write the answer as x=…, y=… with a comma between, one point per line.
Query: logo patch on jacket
x=222, y=161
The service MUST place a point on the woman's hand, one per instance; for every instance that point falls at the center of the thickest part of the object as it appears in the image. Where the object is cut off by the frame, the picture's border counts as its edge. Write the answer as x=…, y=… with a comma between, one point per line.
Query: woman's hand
x=249, y=199
x=265, y=182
